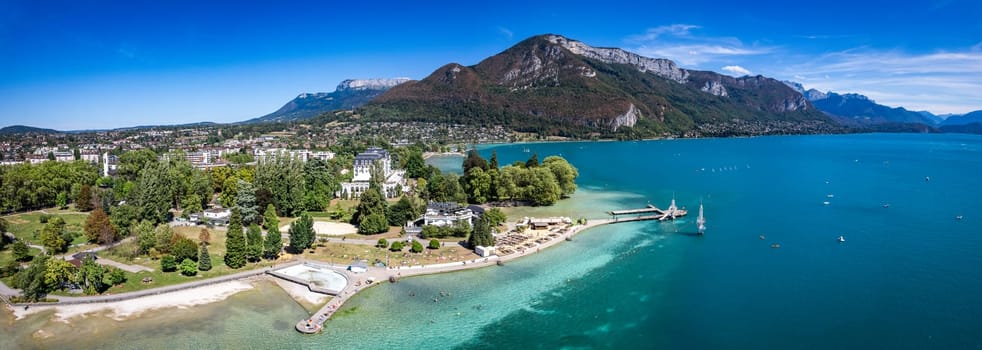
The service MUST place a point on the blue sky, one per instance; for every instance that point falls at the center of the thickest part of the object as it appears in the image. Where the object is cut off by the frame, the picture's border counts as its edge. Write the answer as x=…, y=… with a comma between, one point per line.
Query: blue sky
x=103, y=64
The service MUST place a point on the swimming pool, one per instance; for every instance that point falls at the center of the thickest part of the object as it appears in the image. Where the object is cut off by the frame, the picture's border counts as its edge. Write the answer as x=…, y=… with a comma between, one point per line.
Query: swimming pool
x=317, y=277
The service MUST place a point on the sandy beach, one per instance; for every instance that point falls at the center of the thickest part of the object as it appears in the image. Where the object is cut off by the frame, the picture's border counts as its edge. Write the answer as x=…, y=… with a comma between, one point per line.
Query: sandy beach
x=128, y=308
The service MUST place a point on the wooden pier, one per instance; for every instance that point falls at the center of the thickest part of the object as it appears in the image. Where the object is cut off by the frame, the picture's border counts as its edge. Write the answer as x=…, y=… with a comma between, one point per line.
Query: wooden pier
x=654, y=213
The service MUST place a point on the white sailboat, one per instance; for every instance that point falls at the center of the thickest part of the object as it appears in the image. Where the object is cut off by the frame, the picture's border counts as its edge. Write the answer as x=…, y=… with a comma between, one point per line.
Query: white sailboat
x=701, y=221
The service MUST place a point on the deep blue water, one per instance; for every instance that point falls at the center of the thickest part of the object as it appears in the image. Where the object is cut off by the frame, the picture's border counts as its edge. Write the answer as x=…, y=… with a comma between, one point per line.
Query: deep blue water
x=907, y=277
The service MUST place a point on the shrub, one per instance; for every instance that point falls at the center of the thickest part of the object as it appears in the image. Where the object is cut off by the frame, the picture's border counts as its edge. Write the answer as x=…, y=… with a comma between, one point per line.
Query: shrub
x=397, y=246
x=434, y=244
x=382, y=243
x=189, y=267
x=417, y=247
x=168, y=263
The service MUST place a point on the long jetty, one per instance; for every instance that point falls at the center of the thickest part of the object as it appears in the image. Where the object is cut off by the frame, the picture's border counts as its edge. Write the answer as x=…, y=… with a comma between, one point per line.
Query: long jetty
x=655, y=214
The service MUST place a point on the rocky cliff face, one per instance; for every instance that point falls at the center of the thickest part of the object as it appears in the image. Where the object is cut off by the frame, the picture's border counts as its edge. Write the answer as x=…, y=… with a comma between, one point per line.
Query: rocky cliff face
x=658, y=66
x=370, y=84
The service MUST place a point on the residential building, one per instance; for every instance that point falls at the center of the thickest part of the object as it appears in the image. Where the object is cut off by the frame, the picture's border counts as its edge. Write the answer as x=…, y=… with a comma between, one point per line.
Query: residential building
x=392, y=179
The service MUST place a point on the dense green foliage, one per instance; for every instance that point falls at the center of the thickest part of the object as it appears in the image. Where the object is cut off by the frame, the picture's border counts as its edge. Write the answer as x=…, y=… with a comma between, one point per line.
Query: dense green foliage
x=397, y=246
x=204, y=259
x=434, y=244
x=320, y=183
x=34, y=186
x=458, y=229
x=184, y=248
x=495, y=217
x=283, y=177
x=481, y=235
x=382, y=243
x=401, y=212
x=168, y=263
x=20, y=251
x=188, y=267
x=370, y=213
x=235, y=242
x=273, y=243
x=245, y=201
x=254, y=243
x=417, y=247
x=302, y=233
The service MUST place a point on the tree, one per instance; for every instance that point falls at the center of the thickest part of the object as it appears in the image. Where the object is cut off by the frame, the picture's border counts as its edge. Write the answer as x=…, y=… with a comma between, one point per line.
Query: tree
x=165, y=238
x=168, y=263
x=495, y=217
x=434, y=244
x=254, y=243
x=53, y=236
x=371, y=205
x=382, y=243
x=235, y=243
x=185, y=248
x=145, y=237
x=245, y=201
x=154, y=192
x=477, y=185
x=397, y=246
x=76, y=154
x=564, y=172
x=320, y=183
x=273, y=243
x=417, y=247
x=191, y=204
x=533, y=161
x=372, y=224
x=84, y=200
x=494, y=160
x=20, y=251
x=92, y=277
x=62, y=200
x=415, y=165
x=132, y=163
x=188, y=267
x=401, y=212
x=474, y=160
x=98, y=228
x=204, y=236
x=124, y=216
x=229, y=192
x=481, y=236
x=204, y=259
x=31, y=280
x=301, y=233
x=283, y=176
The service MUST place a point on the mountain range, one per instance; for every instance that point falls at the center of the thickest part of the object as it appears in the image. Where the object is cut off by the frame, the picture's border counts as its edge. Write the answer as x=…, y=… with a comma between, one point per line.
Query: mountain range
x=858, y=110
x=349, y=94
x=553, y=85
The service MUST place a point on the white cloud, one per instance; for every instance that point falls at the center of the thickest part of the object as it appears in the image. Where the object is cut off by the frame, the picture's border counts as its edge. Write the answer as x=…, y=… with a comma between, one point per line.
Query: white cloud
x=506, y=32
x=940, y=82
x=677, y=42
x=655, y=33
x=739, y=71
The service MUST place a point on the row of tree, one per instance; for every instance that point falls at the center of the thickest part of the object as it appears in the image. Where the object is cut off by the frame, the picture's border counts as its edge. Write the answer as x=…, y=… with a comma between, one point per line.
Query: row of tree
x=46, y=274
x=43, y=185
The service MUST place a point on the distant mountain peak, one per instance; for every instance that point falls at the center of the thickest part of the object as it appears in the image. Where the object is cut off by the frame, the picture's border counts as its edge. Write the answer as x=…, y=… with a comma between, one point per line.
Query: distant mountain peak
x=350, y=93
x=370, y=84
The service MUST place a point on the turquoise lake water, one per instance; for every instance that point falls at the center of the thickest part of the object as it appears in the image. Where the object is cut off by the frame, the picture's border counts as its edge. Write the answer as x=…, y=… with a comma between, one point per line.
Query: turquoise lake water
x=908, y=276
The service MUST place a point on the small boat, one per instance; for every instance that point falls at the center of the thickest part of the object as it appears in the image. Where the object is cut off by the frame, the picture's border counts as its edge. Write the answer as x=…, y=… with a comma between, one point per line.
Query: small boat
x=701, y=221
x=886, y=205
x=826, y=202
x=927, y=178
x=762, y=237
x=959, y=217
x=830, y=195
x=841, y=239
x=775, y=245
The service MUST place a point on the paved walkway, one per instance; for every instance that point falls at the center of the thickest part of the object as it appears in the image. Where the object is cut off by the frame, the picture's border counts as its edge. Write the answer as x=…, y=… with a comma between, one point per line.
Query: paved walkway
x=66, y=300
x=122, y=266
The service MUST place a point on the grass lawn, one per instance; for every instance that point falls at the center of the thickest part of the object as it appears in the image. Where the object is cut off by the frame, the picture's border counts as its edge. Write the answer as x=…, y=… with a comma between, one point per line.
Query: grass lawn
x=134, y=281
x=341, y=253
x=27, y=226
x=7, y=255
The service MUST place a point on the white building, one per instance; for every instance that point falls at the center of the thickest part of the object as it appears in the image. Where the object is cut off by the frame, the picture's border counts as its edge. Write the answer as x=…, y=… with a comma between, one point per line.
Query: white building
x=446, y=214
x=302, y=154
x=363, y=173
